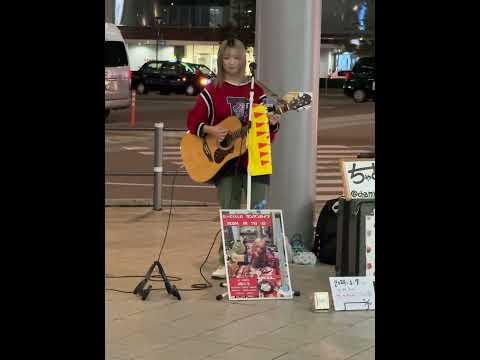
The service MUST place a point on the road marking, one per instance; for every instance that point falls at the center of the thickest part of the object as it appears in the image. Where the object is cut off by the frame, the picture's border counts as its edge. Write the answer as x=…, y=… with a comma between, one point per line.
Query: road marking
x=324, y=156
x=328, y=177
x=332, y=172
x=327, y=162
x=325, y=151
x=336, y=126
x=347, y=118
x=332, y=167
x=150, y=153
x=135, y=148
x=164, y=185
x=127, y=184
x=320, y=182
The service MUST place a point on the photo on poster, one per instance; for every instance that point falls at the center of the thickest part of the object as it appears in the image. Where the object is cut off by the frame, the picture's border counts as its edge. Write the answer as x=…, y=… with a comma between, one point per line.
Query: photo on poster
x=255, y=255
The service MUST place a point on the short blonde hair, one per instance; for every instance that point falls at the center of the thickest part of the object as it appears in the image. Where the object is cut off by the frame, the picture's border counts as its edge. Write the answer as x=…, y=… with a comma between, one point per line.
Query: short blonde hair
x=229, y=44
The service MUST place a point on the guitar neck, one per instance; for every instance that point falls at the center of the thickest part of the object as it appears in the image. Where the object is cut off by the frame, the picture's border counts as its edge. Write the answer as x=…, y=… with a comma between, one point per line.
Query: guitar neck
x=281, y=107
x=242, y=132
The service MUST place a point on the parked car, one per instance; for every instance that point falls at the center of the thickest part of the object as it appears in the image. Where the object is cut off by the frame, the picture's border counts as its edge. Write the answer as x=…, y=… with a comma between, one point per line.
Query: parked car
x=167, y=77
x=117, y=70
x=360, y=82
x=203, y=69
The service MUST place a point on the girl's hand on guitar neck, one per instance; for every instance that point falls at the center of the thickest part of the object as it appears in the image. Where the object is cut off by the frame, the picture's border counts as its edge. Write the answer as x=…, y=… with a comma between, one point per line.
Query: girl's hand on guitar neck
x=216, y=131
x=273, y=119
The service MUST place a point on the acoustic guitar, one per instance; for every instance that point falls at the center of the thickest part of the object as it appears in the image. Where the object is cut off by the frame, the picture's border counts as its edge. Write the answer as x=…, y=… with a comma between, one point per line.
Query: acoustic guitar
x=203, y=157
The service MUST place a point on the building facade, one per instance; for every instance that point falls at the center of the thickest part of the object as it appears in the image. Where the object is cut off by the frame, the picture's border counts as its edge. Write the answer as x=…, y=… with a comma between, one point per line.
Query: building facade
x=191, y=30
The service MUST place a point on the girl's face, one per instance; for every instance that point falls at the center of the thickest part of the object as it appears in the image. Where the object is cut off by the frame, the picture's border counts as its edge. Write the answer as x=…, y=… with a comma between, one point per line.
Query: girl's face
x=232, y=61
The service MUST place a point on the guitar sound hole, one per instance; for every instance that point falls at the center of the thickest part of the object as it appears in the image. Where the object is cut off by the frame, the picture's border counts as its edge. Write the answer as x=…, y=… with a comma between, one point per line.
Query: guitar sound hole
x=226, y=143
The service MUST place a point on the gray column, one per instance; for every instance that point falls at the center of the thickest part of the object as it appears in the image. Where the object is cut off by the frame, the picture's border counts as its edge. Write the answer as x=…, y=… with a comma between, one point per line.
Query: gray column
x=109, y=11
x=288, y=59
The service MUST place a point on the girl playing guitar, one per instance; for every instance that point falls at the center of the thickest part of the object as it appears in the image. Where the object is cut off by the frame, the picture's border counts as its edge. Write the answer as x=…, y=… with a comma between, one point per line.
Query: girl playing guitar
x=225, y=97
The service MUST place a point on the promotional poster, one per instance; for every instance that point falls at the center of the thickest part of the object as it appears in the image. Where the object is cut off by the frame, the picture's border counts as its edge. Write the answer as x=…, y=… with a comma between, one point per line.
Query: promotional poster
x=255, y=255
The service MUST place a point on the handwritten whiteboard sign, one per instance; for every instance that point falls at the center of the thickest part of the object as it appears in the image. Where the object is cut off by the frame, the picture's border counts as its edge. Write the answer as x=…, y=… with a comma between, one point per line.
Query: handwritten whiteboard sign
x=352, y=293
x=358, y=178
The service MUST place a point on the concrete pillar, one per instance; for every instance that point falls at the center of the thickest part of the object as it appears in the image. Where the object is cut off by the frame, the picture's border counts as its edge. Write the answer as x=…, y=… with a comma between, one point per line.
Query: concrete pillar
x=287, y=43
x=109, y=11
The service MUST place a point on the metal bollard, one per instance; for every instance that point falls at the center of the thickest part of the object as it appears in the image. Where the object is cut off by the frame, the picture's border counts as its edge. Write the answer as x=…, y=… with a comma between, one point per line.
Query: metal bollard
x=157, y=167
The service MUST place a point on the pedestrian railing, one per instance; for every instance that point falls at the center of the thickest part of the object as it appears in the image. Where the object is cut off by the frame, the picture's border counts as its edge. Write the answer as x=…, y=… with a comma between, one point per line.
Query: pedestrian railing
x=158, y=171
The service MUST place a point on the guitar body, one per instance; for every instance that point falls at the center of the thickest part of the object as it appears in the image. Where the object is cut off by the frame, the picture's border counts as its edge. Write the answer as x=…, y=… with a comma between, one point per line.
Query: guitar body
x=197, y=163
x=204, y=157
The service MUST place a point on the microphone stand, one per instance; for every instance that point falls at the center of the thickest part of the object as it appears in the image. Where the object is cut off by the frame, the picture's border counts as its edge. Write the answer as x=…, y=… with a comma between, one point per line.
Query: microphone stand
x=143, y=292
x=249, y=176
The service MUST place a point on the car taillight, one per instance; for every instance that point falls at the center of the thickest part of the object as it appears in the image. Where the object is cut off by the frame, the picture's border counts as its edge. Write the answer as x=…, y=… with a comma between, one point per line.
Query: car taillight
x=204, y=81
x=348, y=75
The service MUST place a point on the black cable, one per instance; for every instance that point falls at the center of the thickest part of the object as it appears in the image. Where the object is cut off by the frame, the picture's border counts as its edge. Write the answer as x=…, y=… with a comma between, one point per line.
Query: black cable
x=169, y=215
x=120, y=291
x=194, y=287
x=208, y=284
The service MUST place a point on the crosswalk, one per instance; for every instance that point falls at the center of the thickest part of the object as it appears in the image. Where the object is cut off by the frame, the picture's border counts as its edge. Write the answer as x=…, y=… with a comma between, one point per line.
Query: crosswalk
x=328, y=177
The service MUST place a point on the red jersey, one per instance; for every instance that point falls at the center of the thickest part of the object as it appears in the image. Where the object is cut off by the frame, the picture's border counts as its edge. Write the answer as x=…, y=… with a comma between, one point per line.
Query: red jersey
x=215, y=104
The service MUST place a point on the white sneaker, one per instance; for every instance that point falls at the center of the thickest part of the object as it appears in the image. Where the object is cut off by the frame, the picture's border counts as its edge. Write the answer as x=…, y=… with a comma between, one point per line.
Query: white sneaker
x=220, y=273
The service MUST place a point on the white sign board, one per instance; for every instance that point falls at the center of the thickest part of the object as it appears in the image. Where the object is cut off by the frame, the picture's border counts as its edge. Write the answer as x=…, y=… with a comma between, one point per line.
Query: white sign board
x=358, y=178
x=370, y=244
x=353, y=293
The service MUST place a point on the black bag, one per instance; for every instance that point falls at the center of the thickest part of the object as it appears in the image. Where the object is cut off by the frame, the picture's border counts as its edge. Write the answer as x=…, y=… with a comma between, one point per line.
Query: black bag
x=351, y=260
x=325, y=242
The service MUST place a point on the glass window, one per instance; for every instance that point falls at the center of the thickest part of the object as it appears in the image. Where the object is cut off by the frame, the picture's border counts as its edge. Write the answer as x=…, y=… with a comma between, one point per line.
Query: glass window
x=188, y=68
x=152, y=67
x=115, y=54
x=185, y=16
x=173, y=16
x=216, y=17
x=205, y=70
x=169, y=69
x=205, y=16
x=194, y=16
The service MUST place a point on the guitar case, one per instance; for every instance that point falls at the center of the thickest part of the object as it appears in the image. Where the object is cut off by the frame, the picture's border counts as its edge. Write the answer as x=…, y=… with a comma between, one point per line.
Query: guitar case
x=351, y=249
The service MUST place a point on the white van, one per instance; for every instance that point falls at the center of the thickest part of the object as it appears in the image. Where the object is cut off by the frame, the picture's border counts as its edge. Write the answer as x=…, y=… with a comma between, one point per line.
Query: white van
x=118, y=76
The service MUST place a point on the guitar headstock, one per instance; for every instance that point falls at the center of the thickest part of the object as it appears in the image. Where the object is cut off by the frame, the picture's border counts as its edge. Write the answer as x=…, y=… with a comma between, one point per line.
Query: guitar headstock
x=300, y=102
x=294, y=101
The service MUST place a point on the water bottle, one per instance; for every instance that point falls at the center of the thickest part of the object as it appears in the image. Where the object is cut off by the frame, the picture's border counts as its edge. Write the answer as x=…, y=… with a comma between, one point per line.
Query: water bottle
x=261, y=205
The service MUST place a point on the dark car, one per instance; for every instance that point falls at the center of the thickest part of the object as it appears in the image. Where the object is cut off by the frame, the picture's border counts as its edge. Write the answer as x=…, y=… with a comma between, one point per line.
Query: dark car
x=360, y=82
x=167, y=77
x=202, y=69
